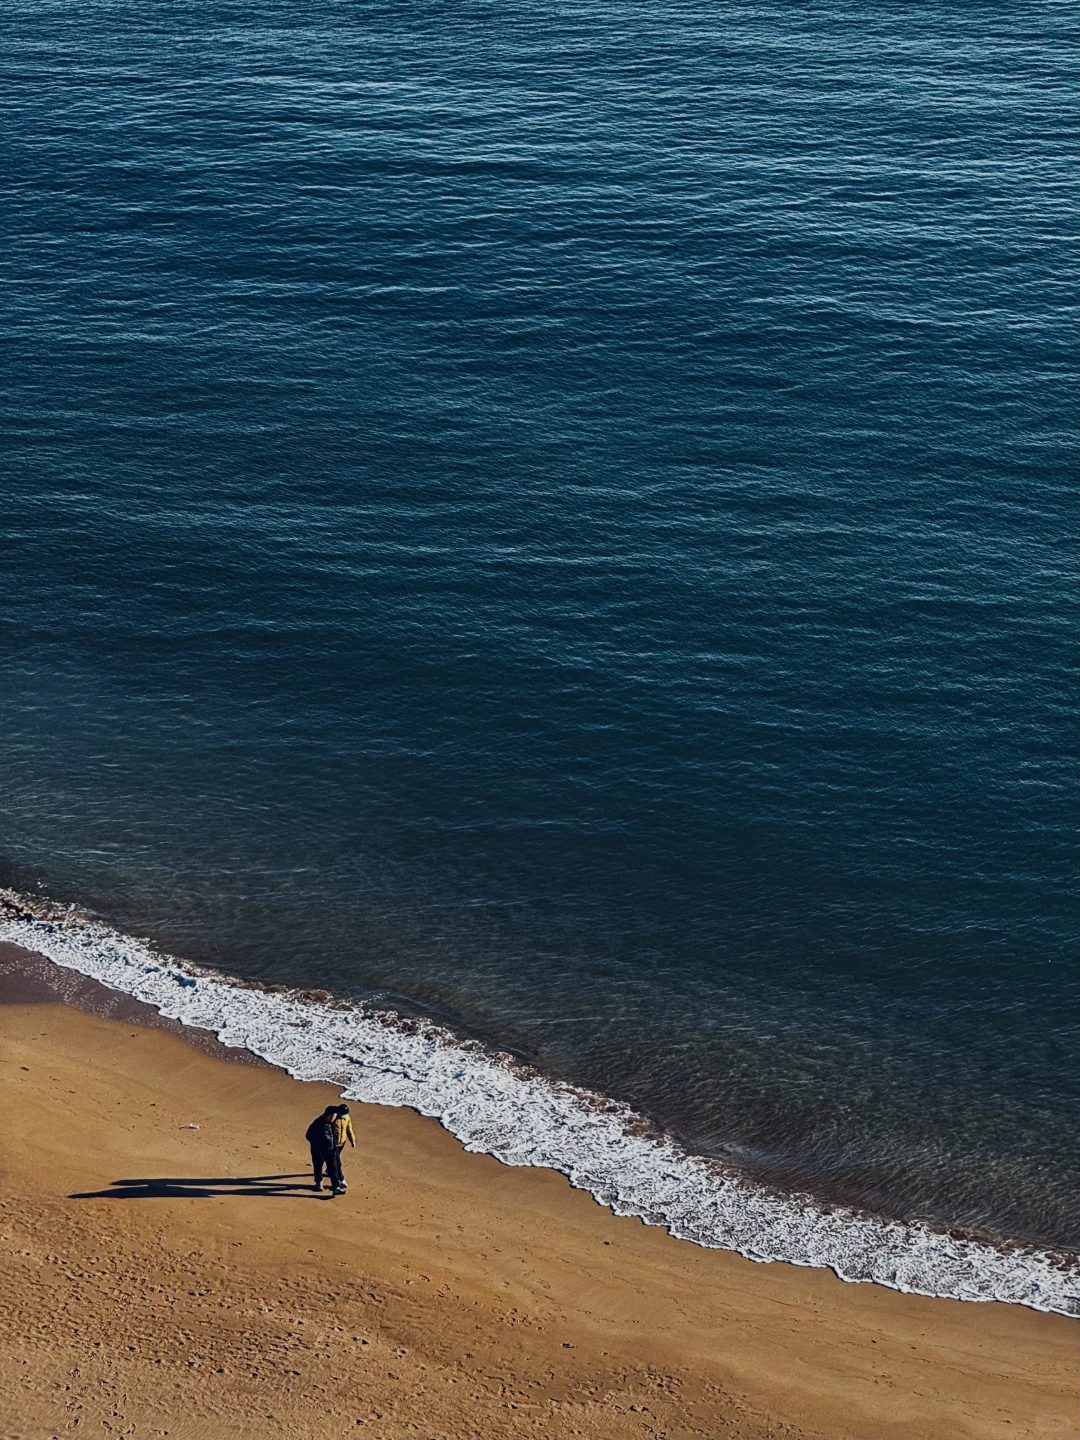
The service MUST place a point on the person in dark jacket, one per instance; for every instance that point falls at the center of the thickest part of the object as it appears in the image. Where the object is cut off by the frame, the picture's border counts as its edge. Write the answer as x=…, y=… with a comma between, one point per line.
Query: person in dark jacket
x=321, y=1135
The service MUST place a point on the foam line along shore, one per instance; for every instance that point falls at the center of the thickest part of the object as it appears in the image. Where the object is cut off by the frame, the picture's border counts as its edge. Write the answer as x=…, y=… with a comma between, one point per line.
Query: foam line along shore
x=519, y=1116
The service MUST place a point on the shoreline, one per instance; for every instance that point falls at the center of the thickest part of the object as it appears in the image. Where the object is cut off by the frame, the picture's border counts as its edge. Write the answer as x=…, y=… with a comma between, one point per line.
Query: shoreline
x=512, y=1112
x=446, y=1295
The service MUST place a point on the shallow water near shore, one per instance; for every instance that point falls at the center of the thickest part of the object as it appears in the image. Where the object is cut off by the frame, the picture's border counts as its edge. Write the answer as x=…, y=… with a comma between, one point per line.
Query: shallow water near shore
x=560, y=525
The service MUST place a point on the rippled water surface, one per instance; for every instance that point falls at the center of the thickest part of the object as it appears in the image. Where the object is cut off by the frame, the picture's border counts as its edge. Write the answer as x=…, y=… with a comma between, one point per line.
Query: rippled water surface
x=564, y=515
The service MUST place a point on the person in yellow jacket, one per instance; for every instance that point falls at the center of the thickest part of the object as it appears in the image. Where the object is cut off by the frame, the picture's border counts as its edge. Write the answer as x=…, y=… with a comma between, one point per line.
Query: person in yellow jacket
x=343, y=1132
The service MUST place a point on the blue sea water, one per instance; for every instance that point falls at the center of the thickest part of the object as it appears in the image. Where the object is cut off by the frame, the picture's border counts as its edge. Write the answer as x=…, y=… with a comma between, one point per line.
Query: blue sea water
x=562, y=518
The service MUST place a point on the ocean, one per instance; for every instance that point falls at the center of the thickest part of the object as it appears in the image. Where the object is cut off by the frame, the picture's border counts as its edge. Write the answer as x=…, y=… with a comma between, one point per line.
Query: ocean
x=556, y=524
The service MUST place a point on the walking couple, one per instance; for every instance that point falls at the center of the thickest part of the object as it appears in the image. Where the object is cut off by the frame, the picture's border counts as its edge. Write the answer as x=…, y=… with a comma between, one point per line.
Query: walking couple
x=327, y=1136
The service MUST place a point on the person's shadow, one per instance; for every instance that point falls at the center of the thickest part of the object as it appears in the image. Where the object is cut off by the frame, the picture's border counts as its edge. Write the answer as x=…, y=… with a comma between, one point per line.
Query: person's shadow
x=180, y=1187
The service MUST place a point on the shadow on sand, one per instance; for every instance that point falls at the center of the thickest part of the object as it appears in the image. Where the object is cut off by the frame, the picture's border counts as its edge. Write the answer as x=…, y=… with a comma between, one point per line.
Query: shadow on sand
x=201, y=1188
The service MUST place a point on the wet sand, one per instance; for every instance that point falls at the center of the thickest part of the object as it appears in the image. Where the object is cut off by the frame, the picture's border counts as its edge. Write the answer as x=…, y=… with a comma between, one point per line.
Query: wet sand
x=166, y=1280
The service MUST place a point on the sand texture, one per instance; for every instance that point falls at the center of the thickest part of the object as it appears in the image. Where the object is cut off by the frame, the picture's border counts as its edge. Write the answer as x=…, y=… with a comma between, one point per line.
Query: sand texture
x=162, y=1280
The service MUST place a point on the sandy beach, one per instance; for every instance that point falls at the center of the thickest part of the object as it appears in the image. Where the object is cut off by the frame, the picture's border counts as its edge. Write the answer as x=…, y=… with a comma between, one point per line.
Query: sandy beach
x=168, y=1270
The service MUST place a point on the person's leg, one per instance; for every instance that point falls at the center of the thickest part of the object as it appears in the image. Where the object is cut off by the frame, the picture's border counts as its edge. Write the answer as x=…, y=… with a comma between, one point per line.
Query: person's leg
x=339, y=1155
x=333, y=1168
x=318, y=1160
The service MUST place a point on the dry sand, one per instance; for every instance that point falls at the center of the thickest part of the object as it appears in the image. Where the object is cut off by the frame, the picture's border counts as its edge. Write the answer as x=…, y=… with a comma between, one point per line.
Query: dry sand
x=161, y=1280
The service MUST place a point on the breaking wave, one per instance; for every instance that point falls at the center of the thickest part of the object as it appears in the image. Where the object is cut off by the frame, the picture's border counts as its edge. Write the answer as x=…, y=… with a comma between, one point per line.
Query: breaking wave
x=497, y=1106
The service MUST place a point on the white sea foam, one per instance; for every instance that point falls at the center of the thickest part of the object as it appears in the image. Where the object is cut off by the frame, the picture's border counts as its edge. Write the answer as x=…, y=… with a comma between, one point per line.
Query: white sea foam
x=524, y=1119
